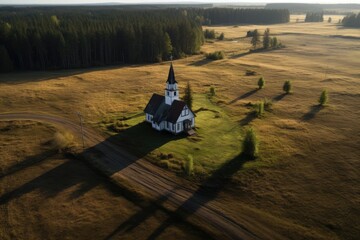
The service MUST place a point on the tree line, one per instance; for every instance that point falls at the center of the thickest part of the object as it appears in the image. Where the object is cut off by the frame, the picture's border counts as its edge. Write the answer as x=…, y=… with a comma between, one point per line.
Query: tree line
x=314, y=17
x=43, y=38
x=58, y=39
x=242, y=16
x=352, y=20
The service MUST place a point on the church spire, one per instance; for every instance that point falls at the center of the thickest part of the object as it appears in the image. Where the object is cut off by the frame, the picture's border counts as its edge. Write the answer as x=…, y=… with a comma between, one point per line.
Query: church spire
x=171, y=76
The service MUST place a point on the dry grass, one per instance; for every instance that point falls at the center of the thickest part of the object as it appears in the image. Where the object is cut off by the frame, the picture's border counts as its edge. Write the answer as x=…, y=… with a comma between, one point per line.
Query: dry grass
x=44, y=195
x=311, y=186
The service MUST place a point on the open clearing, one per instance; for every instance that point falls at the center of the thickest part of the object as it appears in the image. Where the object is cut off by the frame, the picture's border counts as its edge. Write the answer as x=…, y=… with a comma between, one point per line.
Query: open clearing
x=306, y=182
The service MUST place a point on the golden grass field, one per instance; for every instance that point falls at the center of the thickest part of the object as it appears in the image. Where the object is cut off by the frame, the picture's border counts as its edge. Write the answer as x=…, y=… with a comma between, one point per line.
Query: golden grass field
x=305, y=184
x=46, y=195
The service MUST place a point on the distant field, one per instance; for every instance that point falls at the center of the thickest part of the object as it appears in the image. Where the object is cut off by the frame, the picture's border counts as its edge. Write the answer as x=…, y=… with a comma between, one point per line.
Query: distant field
x=305, y=183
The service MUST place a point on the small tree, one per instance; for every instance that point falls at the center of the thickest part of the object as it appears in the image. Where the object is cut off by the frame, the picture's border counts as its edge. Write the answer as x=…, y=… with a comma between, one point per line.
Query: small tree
x=250, y=144
x=222, y=36
x=189, y=166
x=324, y=98
x=255, y=40
x=259, y=109
x=188, y=98
x=261, y=83
x=274, y=42
x=287, y=87
x=212, y=91
x=266, y=39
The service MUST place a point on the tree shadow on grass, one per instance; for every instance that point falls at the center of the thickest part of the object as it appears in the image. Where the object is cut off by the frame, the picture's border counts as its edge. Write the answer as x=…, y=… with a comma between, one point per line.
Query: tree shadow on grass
x=201, y=62
x=28, y=162
x=54, y=181
x=208, y=191
x=279, y=97
x=312, y=113
x=249, y=118
x=245, y=95
x=241, y=55
x=205, y=193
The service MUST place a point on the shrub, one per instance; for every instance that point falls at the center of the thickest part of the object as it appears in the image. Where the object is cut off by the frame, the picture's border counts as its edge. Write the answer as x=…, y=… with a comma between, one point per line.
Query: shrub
x=250, y=144
x=268, y=104
x=210, y=34
x=215, y=55
x=189, y=166
x=287, y=87
x=63, y=141
x=212, y=91
x=164, y=163
x=324, y=98
x=250, y=72
x=261, y=83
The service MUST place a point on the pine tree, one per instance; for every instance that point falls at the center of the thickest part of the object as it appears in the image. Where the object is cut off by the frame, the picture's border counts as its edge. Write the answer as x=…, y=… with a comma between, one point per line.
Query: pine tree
x=250, y=144
x=274, y=42
x=287, y=87
x=324, y=98
x=188, y=98
x=255, y=40
x=261, y=83
x=189, y=166
x=212, y=91
x=266, y=39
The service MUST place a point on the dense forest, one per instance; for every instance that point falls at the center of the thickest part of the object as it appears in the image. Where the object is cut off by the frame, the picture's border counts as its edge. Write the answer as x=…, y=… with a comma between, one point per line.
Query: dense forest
x=352, y=20
x=314, y=17
x=314, y=7
x=42, y=38
x=243, y=16
x=64, y=39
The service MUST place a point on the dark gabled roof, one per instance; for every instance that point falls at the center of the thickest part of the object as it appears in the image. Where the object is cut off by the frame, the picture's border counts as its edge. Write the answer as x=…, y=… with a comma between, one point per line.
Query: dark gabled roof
x=171, y=76
x=175, y=111
x=154, y=103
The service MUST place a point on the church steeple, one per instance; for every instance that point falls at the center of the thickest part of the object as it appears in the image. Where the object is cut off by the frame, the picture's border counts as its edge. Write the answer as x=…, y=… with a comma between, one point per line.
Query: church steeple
x=171, y=91
x=171, y=76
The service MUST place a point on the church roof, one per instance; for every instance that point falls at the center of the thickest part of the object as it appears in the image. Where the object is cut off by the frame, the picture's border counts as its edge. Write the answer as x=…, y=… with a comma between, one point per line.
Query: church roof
x=154, y=103
x=163, y=112
x=171, y=76
x=175, y=111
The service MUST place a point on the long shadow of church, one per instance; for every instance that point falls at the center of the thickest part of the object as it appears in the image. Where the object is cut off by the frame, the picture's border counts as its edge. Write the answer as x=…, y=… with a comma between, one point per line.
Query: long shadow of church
x=142, y=139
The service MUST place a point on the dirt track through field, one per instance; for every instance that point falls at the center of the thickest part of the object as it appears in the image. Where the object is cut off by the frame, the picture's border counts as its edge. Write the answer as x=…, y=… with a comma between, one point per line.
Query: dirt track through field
x=173, y=192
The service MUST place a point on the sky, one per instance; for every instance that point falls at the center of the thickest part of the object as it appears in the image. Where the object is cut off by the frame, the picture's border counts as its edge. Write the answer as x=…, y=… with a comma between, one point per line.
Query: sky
x=167, y=1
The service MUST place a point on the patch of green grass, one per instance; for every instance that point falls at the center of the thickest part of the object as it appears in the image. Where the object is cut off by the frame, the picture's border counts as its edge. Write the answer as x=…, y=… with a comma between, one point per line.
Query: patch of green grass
x=215, y=130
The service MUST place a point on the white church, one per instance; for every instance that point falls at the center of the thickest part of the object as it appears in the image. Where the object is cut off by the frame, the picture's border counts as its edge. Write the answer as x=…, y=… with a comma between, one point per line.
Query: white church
x=168, y=112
